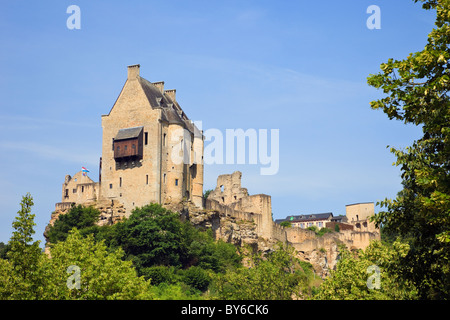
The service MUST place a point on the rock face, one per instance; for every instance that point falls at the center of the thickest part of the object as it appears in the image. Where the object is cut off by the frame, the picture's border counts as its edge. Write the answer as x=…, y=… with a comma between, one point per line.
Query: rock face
x=323, y=253
x=110, y=213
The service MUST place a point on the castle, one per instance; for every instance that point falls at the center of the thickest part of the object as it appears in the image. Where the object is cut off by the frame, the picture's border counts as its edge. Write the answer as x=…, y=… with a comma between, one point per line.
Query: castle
x=152, y=153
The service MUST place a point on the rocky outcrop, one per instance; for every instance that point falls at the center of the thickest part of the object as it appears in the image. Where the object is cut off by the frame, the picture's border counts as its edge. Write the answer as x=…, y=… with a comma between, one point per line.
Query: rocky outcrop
x=321, y=252
x=110, y=213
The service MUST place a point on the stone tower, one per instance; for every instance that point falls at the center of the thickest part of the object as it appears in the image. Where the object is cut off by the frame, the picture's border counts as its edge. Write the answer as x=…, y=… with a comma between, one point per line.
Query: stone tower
x=151, y=151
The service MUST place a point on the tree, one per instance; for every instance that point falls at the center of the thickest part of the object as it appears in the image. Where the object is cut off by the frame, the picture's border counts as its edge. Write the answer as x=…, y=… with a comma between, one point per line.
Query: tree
x=416, y=91
x=206, y=193
x=286, y=224
x=23, y=256
x=151, y=236
x=100, y=273
x=277, y=276
x=352, y=278
x=77, y=217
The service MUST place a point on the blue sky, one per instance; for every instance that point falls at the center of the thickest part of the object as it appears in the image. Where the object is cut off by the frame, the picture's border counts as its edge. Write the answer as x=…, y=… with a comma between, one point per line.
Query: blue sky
x=296, y=66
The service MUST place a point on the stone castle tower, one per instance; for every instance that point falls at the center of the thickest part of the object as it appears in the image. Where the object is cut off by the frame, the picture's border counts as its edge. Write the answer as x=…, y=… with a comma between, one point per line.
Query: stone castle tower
x=151, y=151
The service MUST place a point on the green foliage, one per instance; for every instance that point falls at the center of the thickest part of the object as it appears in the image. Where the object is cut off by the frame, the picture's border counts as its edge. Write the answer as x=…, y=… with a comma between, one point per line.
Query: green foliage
x=275, y=276
x=154, y=236
x=77, y=217
x=160, y=274
x=337, y=228
x=416, y=91
x=176, y=291
x=206, y=193
x=23, y=255
x=4, y=248
x=323, y=231
x=151, y=236
x=103, y=274
x=350, y=279
x=286, y=224
x=196, y=278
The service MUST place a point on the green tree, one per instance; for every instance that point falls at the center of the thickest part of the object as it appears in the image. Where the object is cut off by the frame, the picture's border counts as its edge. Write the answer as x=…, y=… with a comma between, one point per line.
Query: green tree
x=79, y=217
x=352, y=279
x=151, y=236
x=196, y=278
x=206, y=193
x=416, y=91
x=23, y=256
x=285, y=224
x=102, y=274
x=276, y=276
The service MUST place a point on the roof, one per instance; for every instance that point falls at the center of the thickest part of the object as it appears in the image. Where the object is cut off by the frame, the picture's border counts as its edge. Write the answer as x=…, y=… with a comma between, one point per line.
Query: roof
x=128, y=133
x=306, y=217
x=170, y=109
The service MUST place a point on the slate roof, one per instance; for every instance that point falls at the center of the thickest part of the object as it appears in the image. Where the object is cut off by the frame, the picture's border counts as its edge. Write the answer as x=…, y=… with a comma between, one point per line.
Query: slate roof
x=128, y=133
x=171, y=110
x=306, y=217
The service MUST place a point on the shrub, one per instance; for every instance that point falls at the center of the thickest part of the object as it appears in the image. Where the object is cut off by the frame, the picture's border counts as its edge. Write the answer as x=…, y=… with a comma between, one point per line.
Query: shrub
x=196, y=277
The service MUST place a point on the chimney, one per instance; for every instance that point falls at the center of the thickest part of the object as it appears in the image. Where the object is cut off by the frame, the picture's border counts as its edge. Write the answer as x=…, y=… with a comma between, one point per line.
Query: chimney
x=133, y=71
x=171, y=94
x=159, y=85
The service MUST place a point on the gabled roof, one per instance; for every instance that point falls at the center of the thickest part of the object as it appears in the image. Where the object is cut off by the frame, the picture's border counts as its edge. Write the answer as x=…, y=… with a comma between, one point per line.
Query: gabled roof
x=171, y=111
x=128, y=133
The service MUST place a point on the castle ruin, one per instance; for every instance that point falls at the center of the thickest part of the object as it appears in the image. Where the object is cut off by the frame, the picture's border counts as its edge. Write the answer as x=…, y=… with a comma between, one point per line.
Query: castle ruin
x=142, y=132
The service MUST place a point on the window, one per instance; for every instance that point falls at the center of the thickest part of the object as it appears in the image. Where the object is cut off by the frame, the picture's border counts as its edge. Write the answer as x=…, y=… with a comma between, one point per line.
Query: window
x=126, y=147
x=176, y=182
x=164, y=140
x=133, y=147
x=110, y=185
x=146, y=138
x=118, y=148
x=66, y=194
x=320, y=224
x=74, y=190
x=120, y=181
x=146, y=179
x=82, y=188
x=164, y=178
